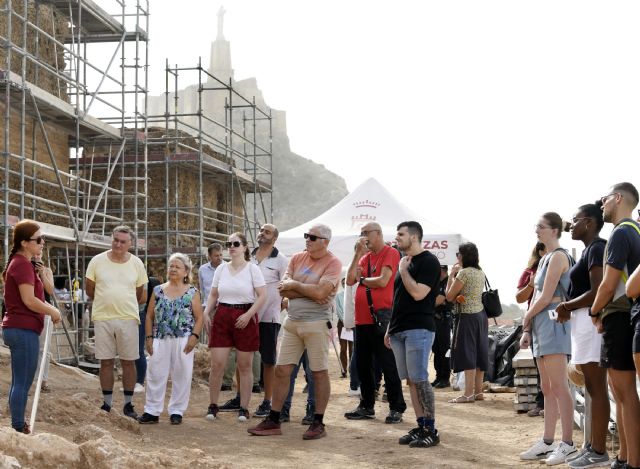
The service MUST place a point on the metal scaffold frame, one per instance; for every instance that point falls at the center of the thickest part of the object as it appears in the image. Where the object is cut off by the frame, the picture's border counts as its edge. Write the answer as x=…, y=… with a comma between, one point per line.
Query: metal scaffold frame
x=236, y=151
x=95, y=103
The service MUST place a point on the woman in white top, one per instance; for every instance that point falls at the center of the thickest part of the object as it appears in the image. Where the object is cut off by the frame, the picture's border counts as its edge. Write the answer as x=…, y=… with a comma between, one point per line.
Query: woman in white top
x=237, y=294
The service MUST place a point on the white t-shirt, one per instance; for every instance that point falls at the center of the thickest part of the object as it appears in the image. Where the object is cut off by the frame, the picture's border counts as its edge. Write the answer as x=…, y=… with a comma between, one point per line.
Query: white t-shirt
x=240, y=288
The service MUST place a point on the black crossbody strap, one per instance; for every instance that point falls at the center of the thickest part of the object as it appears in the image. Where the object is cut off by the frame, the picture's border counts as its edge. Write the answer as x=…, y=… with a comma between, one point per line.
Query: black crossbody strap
x=368, y=290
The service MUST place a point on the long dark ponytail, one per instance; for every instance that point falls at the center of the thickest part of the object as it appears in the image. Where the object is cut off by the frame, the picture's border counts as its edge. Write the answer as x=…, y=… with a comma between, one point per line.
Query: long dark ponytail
x=23, y=231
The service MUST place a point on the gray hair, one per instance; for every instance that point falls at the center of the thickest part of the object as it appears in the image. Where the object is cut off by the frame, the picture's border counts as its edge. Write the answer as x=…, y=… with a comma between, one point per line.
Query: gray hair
x=185, y=261
x=125, y=229
x=324, y=230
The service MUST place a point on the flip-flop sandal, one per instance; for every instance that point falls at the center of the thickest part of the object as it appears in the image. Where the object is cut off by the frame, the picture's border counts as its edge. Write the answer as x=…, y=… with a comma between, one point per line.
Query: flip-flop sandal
x=462, y=400
x=479, y=396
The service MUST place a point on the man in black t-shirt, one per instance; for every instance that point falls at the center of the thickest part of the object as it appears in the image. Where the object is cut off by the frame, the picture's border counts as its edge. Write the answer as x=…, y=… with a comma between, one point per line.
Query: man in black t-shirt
x=611, y=314
x=442, y=340
x=411, y=329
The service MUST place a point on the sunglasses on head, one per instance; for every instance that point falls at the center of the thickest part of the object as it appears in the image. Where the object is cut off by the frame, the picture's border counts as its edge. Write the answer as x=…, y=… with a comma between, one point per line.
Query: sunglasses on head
x=311, y=237
x=38, y=240
x=235, y=244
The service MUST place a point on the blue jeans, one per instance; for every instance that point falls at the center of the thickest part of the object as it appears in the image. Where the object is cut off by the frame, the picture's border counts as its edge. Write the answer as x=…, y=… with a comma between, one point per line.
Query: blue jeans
x=23, y=344
x=141, y=363
x=411, y=349
x=311, y=396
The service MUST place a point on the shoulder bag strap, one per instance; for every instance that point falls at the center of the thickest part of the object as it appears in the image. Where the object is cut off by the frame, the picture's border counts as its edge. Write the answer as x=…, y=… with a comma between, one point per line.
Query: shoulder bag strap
x=368, y=290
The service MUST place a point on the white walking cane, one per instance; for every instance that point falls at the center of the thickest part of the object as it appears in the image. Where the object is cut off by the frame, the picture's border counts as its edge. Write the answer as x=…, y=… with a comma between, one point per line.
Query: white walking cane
x=48, y=327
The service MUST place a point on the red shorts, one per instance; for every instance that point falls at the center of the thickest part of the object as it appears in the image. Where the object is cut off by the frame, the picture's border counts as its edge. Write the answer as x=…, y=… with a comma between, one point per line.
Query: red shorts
x=224, y=332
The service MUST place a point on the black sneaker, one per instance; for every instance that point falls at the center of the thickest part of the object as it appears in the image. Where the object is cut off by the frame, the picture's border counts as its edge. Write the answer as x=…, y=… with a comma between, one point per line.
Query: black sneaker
x=442, y=384
x=147, y=418
x=393, y=417
x=232, y=405
x=106, y=407
x=212, y=411
x=429, y=438
x=256, y=389
x=308, y=418
x=360, y=414
x=284, y=415
x=263, y=410
x=225, y=387
x=175, y=419
x=413, y=435
x=129, y=412
x=243, y=415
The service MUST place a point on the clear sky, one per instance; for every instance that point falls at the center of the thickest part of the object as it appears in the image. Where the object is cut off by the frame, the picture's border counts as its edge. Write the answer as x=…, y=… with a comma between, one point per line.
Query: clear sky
x=481, y=115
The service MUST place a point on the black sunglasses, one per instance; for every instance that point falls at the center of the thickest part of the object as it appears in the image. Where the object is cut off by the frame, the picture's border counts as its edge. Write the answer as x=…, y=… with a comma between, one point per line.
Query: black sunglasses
x=235, y=244
x=312, y=237
x=38, y=240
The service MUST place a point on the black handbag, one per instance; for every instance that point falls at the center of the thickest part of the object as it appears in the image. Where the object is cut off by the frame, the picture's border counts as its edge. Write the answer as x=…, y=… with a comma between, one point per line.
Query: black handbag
x=491, y=300
x=381, y=317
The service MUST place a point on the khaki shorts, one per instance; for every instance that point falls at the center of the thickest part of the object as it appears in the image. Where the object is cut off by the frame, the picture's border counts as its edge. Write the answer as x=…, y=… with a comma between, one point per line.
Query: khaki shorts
x=298, y=335
x=117, y=337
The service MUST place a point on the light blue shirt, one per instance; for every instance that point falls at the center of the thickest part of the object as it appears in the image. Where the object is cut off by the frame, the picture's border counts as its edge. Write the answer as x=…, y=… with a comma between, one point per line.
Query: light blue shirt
x=205, y=278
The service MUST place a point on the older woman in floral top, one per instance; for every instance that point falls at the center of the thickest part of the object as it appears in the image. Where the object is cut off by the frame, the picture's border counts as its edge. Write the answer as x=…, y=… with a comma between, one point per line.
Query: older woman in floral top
x=177, y=310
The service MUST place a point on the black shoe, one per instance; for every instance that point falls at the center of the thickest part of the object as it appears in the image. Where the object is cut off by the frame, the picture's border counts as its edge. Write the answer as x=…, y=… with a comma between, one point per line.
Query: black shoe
x=232, y=405
x=360, y=414
x=434, y=382
x=393, y=417
x=284, y=415
x=106, y=407
x=175, y=419
x=343, y=374
x=429, y=438
x=442, y=384
x=212, y=412
x=225, y=387
x=129, y=412
x=148, y=418
x=263, y=410
x=413, y=435
x=256, y=389
x=308, y=418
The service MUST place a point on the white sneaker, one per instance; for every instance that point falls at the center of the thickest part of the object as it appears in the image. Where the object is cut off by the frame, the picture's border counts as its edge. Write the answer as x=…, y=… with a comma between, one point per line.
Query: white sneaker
x=138, y=388
x=354, y=393
x=539, y=450
x=559, y=455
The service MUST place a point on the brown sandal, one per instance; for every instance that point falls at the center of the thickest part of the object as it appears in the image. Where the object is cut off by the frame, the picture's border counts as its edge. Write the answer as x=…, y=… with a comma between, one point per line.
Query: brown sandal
x=462, y=400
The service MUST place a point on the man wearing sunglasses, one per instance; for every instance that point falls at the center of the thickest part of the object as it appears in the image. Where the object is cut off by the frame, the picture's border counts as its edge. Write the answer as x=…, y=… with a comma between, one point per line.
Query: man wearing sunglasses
x=611, y=313
x=115, y=280
x=310, y=284
x=372, y=269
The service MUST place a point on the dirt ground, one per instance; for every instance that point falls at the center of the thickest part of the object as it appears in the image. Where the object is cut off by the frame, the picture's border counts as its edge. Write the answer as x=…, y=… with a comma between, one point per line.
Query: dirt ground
x=483, y=434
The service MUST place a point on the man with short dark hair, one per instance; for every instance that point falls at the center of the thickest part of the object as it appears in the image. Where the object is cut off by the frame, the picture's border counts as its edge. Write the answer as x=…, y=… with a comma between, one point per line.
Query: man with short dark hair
x=115, y=281
x=411, y=330
x=611, y=314
x=442, y=339
x=206, y=270
x=372, y=269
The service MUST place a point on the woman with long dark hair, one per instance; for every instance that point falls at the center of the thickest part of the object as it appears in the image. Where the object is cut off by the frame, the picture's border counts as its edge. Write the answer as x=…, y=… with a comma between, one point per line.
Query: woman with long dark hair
x=551, y=342
x=237, y=294
x=470, y=349
x=586, y=276
x=24, y=319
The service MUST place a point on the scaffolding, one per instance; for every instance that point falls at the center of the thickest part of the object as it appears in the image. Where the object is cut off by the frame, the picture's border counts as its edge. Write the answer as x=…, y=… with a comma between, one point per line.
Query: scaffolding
x=223, y=140
x=73, y=78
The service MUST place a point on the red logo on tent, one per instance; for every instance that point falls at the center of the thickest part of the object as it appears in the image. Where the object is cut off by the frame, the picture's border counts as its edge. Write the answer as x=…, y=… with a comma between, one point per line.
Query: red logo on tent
x=366, y=203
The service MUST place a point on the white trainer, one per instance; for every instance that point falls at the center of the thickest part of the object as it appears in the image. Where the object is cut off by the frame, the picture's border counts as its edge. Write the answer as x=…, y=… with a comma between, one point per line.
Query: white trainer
x=539, y=450
x=559, y=455
x=354, y=392
x=138, y=388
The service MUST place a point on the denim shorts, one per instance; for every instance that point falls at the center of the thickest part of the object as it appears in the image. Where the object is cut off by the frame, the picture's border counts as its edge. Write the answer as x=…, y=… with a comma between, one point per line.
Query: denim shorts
x=411, y=349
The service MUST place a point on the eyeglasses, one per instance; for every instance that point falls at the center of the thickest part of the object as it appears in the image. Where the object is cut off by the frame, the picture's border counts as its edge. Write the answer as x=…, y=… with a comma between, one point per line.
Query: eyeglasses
x=235, y=244
x=38, y=240
x=542, y=227
x=311, y=237
x=366, y=232
x=604, y=199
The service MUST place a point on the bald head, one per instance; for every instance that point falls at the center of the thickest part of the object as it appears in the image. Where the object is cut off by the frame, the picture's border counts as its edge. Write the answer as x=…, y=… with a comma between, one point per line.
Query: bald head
x=372, y=232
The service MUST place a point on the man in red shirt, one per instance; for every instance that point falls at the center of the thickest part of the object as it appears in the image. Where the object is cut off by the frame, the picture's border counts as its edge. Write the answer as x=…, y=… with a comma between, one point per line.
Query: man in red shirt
x=373, y=268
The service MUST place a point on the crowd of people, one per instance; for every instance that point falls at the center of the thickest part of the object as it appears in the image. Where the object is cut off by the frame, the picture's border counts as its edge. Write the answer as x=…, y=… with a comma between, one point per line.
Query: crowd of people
x=398, y=301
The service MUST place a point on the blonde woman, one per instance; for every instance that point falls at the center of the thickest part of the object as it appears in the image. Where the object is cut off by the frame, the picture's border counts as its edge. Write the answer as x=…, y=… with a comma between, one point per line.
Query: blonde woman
x=176, y=308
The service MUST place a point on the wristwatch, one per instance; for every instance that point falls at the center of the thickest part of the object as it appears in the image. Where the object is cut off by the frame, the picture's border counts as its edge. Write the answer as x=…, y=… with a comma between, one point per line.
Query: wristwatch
x=361, y=281
x=592, y=314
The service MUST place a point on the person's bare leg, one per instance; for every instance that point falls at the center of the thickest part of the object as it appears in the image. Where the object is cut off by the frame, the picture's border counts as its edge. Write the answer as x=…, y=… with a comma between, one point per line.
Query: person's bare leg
x=128, y=374
x=551, y=412
x=469, y=382
x=269, y=376
x=281, y=386
x=477, y=388
x=556, y=367
x=595, y=379
x=219, y=356
x=244, y=362
x=322, y=387
x=625, y=384
x=106, y=374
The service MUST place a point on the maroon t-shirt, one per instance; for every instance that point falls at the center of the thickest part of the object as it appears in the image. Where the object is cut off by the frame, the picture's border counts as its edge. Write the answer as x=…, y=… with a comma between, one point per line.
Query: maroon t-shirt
x=382, y=297
x=18, y=316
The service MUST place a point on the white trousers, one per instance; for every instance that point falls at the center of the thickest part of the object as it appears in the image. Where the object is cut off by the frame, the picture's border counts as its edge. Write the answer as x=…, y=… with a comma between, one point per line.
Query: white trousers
x=168, y=359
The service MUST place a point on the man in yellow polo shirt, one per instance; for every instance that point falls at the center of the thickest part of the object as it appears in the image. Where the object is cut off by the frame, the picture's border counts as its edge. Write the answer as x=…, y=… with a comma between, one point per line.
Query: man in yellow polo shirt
x=115, y=281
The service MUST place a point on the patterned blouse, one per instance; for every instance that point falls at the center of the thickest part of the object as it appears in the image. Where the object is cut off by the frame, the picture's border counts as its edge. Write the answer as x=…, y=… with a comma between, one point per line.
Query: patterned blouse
x=473, y=284
x=174, y=318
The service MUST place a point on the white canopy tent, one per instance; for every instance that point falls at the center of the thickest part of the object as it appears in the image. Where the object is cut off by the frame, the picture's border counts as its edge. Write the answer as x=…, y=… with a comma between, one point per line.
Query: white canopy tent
x=370, y=202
